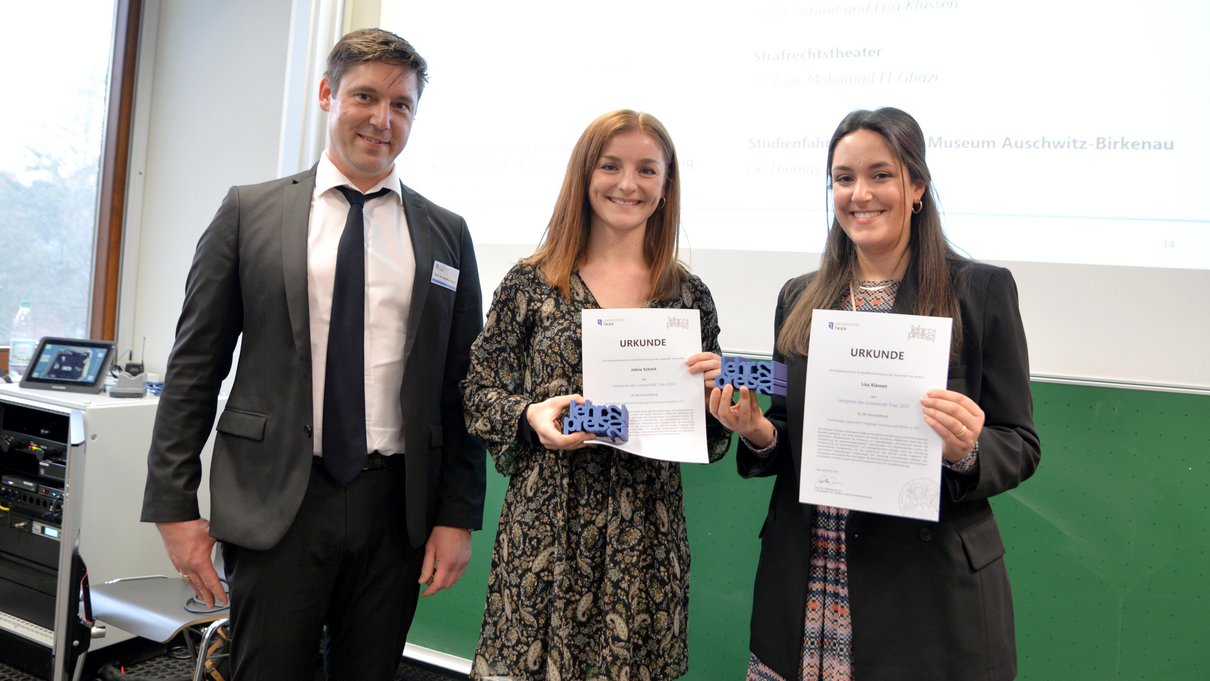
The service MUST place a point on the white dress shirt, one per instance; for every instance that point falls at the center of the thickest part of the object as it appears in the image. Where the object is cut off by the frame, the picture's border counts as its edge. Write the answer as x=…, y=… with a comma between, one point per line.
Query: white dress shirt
x=390, y=268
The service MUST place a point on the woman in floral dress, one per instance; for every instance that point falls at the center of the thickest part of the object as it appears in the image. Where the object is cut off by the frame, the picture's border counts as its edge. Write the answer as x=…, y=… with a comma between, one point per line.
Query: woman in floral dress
x=590, y=571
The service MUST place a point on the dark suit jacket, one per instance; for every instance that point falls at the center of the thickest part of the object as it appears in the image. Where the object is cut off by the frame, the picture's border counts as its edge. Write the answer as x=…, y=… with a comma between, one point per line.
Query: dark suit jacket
x=249, y=278
x=929, y=601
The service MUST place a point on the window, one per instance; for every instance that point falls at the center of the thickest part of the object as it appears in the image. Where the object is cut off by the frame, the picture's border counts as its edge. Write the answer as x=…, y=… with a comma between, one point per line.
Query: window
x=51, y=133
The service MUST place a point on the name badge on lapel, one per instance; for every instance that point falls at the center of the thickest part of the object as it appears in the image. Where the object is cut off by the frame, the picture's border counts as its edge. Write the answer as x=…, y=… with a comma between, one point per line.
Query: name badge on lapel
x=445, y=276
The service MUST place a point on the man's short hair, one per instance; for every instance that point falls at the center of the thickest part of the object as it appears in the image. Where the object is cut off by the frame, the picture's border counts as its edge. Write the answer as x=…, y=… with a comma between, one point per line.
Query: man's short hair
x=374, y=45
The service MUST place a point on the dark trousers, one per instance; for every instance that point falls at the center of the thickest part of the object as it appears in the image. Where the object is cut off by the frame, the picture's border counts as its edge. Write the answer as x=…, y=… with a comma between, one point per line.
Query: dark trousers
x=344, y=563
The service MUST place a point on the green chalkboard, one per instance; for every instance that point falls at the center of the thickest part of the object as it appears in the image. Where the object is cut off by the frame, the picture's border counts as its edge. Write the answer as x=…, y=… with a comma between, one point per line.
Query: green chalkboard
x=1109, y=543
x=1108, y=547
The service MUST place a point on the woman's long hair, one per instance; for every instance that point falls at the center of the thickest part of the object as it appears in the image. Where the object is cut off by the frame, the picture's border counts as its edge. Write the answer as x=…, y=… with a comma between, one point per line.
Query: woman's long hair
x=566, y=237
x=928, y=248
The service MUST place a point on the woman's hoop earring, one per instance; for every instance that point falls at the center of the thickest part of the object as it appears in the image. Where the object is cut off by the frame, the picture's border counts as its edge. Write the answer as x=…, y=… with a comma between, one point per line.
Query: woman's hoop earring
x=662, y=203
x=917, y=207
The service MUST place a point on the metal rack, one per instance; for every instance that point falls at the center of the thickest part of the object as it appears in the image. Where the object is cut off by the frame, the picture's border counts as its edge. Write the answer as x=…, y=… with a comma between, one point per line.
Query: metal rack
x=72, y=470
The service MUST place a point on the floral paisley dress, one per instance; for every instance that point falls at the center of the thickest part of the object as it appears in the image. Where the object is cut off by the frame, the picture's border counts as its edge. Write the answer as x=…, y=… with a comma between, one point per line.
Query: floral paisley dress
x=590, y=571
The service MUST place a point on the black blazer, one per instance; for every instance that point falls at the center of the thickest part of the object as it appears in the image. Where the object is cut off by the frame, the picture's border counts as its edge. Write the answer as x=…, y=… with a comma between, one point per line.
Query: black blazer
x=929, y=600
x=249, y=280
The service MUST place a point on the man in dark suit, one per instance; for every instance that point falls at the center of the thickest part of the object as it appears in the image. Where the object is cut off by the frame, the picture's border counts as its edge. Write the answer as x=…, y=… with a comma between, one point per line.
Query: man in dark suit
x=343, y=477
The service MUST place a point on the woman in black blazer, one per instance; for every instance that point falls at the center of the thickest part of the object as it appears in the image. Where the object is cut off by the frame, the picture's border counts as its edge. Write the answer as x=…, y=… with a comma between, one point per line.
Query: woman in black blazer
x=849, y=595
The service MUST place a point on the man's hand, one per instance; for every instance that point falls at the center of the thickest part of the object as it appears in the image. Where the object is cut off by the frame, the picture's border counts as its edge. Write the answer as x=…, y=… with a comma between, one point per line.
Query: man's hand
x=446, y=555
x=189, y=547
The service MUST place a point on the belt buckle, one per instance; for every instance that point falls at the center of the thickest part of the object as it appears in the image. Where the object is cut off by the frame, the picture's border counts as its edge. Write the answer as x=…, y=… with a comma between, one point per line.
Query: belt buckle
x=376, y=461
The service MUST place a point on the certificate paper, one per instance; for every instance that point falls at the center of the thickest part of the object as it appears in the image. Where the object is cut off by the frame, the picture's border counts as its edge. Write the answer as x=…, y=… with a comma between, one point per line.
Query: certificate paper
x=636, y=358
x=865, y=444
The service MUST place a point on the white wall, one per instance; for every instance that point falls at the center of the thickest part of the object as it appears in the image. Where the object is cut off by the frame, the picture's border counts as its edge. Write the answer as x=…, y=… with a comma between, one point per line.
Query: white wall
x=208, y=115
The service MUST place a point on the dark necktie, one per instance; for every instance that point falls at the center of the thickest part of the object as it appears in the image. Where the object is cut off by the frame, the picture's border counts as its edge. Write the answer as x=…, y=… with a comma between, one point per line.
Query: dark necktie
x=344, y=409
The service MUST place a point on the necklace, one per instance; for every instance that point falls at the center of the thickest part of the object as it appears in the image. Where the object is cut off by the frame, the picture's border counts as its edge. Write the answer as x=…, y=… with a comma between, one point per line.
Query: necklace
x=874, y=289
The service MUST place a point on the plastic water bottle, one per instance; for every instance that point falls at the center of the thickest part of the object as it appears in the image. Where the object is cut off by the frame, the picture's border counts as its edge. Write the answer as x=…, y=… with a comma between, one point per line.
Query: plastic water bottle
x=22, y=343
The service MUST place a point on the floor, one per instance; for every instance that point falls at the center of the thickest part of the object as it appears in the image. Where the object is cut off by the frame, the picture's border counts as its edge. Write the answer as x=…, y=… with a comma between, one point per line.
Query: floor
x=176, y=665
